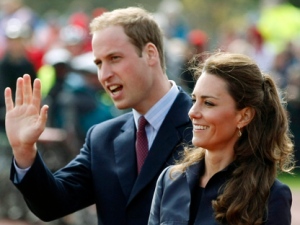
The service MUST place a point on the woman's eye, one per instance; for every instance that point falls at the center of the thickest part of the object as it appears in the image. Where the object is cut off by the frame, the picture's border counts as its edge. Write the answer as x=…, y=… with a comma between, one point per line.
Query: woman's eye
x=209, y=103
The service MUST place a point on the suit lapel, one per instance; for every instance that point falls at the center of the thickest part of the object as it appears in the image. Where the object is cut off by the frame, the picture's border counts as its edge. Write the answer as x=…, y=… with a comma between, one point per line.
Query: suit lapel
x=167, y=140
x=124, y=147
x=155, y=161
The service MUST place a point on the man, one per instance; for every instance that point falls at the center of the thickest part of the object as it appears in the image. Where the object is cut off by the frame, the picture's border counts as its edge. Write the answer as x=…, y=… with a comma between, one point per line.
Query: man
x=128, y=50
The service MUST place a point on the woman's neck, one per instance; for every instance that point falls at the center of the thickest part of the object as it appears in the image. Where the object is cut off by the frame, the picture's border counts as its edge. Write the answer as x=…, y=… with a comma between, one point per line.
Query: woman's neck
x=214, y=162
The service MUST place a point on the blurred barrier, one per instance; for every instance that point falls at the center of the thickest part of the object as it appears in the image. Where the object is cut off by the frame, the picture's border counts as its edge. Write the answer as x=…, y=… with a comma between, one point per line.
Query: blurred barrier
x=55, y=152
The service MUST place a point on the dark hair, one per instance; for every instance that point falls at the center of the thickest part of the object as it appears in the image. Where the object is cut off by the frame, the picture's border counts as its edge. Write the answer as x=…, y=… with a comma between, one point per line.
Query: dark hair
x=264, y=147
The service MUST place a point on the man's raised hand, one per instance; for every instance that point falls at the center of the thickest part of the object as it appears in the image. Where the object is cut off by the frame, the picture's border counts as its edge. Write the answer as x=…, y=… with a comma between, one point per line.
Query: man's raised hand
x=24, y=120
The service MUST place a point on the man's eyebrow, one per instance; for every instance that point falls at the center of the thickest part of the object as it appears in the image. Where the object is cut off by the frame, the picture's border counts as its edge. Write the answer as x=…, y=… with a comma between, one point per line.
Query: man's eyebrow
x=97, y=61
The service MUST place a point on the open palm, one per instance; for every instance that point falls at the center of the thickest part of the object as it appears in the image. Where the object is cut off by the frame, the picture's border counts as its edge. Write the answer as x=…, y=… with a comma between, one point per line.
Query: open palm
x=24, y=120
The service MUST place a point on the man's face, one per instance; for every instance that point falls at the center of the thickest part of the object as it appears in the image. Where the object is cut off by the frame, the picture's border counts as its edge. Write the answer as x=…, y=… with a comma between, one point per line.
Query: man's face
x=122, y=70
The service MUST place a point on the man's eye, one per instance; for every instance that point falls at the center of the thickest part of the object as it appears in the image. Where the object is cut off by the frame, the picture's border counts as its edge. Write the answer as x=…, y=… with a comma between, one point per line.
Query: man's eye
x=98, y=64
x=114, y=58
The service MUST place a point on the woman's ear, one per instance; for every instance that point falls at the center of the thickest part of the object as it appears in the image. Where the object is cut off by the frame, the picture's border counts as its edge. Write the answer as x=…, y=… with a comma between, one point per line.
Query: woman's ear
x=247, y=115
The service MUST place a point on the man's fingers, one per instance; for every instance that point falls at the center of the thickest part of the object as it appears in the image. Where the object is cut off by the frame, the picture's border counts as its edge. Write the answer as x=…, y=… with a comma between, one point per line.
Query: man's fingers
x=8, y=99
x=19, y=92
x=43, y=116
x=27, y=89
x=36, y=99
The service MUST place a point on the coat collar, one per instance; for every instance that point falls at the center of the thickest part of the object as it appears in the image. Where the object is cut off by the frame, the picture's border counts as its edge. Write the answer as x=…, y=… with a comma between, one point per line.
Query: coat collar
x=125, y=156
x=173, y=131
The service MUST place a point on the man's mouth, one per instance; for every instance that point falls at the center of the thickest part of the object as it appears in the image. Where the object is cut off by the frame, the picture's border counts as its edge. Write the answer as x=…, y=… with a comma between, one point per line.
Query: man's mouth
x=114, y=88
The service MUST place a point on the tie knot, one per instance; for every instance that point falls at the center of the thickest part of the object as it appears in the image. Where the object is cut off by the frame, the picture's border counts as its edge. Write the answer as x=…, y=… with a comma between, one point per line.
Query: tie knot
x=142, y=123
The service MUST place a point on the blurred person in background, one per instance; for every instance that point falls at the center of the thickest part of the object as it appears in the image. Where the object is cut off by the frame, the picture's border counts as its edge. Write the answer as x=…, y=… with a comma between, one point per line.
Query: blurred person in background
x=252, y=43
x=18, y=10
x=73, y=38
x=90, y=102
x=55, y=90
x=261, y=52
x=14, y=61
x=170, y=18
x=241, y=140
x=82, y=20
x=175, y=49
x=14, y=9
x=109, y=171
x=58, y=94
x=197, y=43
x=293, y=106
x=283, y=61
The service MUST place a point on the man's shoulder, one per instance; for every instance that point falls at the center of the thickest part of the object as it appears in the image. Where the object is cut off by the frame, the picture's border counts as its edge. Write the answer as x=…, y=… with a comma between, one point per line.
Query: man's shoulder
x=183, y=97
x=181, y=105
x=112, y=124
x=117, y=120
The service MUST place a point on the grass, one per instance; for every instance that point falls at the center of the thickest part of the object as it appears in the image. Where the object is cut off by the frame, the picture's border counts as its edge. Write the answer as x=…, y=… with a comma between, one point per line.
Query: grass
x=292, y=180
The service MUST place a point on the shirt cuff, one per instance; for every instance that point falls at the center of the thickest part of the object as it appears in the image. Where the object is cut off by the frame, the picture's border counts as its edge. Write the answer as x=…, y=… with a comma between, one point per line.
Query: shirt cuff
x=20, y=173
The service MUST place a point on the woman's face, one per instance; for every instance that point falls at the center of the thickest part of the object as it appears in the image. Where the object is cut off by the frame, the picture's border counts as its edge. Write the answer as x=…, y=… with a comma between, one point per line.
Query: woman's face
x=214, y=115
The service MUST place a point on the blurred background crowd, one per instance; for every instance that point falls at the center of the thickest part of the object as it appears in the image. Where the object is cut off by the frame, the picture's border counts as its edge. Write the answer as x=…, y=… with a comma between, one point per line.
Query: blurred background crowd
x=51, y=41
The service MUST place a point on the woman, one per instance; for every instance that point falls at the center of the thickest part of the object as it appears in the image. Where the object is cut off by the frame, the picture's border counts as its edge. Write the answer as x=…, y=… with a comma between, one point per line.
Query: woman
x=241, y=139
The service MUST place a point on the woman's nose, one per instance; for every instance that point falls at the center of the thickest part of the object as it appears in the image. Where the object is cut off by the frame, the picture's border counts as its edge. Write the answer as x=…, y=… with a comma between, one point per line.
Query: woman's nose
x=194, y=112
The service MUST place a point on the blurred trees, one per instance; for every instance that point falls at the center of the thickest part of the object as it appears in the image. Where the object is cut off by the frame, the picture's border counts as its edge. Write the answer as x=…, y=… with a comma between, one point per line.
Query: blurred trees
x=295, y=3
x=218, y=17
x=78, y=5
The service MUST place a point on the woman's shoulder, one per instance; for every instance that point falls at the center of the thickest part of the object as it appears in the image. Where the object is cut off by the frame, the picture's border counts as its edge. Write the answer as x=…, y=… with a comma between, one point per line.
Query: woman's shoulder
x=280, y=190
x=170, y=171
x=175, y=172
x=279, y=186
x=280, y=202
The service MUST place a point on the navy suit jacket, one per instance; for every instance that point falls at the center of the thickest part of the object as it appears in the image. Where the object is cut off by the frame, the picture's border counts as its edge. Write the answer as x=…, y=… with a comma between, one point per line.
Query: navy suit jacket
x=173, y=196
x=105, y=171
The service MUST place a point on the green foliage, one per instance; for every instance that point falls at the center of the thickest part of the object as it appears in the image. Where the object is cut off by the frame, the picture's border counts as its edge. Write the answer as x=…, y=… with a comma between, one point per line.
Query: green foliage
x=292, y=180
x=217, y=17
x=295, y=3
x=69, y=6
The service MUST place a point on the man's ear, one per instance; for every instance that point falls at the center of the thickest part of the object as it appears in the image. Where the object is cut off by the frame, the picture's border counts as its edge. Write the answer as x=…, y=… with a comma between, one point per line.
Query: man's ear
x=151, y=53
x=246, y=117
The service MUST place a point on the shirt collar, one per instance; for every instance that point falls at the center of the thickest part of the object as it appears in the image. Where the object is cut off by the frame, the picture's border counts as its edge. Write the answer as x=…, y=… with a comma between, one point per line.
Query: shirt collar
x=158, y=112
